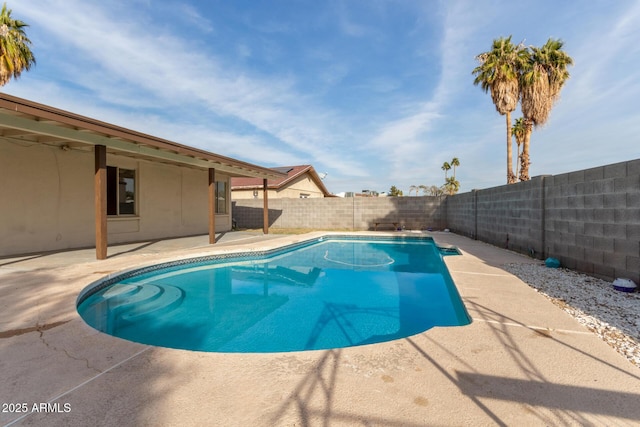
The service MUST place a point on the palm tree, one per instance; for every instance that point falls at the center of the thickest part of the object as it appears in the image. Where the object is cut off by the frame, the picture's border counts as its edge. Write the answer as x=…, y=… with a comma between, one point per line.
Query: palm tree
x=518, y=130
x=433, y=190
x=15, y=54
x=498, y=73
x=542, y=78
x=455, y=162
x=446, y=167
x=423, y=188
x=451, y=186
x=413, y=188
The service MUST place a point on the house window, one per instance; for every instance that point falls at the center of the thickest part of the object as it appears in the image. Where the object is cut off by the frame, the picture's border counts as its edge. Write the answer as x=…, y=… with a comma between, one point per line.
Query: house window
x=304, y=195
x=121, y=191
x=221, y=197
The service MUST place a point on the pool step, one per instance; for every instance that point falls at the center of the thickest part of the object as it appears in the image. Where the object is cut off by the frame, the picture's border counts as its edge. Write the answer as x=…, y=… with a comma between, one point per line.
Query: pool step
x=448, y=250
x=126, y=304
x=106, y=309
x=125, y=296
x=171, y=298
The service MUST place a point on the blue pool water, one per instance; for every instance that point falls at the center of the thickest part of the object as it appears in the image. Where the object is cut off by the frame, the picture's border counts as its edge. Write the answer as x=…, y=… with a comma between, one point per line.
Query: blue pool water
x=330, y=293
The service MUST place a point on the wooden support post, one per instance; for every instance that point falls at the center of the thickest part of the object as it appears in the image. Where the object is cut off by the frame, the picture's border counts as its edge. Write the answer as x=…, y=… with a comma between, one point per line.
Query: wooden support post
x=265, y=209
x=212, y=206
x=100, y=192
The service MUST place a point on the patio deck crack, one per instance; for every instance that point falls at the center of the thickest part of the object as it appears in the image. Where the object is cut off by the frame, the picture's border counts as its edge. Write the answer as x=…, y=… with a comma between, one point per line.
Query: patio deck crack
x=63, y=350
x=37, y=328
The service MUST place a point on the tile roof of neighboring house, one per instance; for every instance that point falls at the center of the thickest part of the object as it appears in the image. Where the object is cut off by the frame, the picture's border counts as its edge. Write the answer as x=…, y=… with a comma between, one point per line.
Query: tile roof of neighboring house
x=293, y=173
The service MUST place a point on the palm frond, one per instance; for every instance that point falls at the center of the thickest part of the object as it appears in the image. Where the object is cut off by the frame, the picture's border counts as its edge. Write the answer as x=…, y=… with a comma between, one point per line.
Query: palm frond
x=15, y=52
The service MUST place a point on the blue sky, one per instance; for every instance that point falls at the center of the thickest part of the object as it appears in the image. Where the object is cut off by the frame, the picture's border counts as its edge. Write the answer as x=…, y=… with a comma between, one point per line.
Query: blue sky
x=374, y=93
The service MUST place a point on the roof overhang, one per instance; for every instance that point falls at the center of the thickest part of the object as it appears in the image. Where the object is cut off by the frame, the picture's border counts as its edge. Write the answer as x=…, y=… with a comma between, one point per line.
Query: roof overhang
x=29, y=122
x=277, y=185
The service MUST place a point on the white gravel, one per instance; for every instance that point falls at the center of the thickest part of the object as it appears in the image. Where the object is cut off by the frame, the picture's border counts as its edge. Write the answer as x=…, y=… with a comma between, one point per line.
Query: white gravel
x=612, y=315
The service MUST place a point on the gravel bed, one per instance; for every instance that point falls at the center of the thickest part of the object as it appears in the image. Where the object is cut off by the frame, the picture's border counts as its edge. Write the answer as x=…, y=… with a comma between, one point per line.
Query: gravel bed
x=612, y=315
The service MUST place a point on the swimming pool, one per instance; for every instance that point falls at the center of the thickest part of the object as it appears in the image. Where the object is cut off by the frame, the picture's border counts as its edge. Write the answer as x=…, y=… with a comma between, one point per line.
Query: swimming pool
x=331, y=292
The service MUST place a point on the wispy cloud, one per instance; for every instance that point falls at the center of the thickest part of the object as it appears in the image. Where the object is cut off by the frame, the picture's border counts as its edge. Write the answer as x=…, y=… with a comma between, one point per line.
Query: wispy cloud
x=375, y=94
x=156, y=62
x=417, y=148
x=345, y=21
x=192, y=17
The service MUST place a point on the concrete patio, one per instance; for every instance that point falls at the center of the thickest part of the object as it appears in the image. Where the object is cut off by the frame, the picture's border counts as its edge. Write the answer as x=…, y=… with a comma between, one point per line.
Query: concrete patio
x=522, y=361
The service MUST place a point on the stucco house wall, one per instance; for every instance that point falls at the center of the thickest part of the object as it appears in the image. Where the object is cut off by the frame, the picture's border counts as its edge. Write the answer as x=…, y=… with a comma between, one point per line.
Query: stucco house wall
x=47, y=198
x=301, y=186
x=304, y=185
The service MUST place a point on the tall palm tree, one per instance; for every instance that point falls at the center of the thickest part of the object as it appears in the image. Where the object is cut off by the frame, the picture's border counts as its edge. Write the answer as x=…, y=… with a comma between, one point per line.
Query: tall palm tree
x=542, y=78
x=518, y=130
x=498, y=73
x=455, y=162
x=15, y=54
x=446, y=167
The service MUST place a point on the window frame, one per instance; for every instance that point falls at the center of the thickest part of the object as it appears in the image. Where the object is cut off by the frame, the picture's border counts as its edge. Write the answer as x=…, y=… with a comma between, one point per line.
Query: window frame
x=225, y=198
x=114, y=192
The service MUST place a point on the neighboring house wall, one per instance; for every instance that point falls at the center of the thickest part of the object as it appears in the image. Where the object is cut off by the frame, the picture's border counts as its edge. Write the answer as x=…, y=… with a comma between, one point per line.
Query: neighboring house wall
x=47, y=200
x=249, y=194
x=304, y=185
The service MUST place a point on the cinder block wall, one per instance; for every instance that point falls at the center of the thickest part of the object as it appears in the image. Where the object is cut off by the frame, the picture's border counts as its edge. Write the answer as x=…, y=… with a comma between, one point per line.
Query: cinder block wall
x=414, y=213
x=354, y=213
x=589, y=219
x=508, y=216
x=511, y=216
x=461, y=213
x=592, y=220
x=315, y=213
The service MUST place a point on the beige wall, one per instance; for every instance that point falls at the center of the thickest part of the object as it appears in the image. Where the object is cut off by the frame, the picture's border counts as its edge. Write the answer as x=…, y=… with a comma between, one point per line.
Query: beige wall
x=303, y=185
x=47, y=196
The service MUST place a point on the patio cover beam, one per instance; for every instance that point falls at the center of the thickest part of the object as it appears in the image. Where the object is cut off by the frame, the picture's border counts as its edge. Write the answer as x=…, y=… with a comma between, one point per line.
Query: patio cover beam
x=265, y=208
x=212, y=206
x=100, y=190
